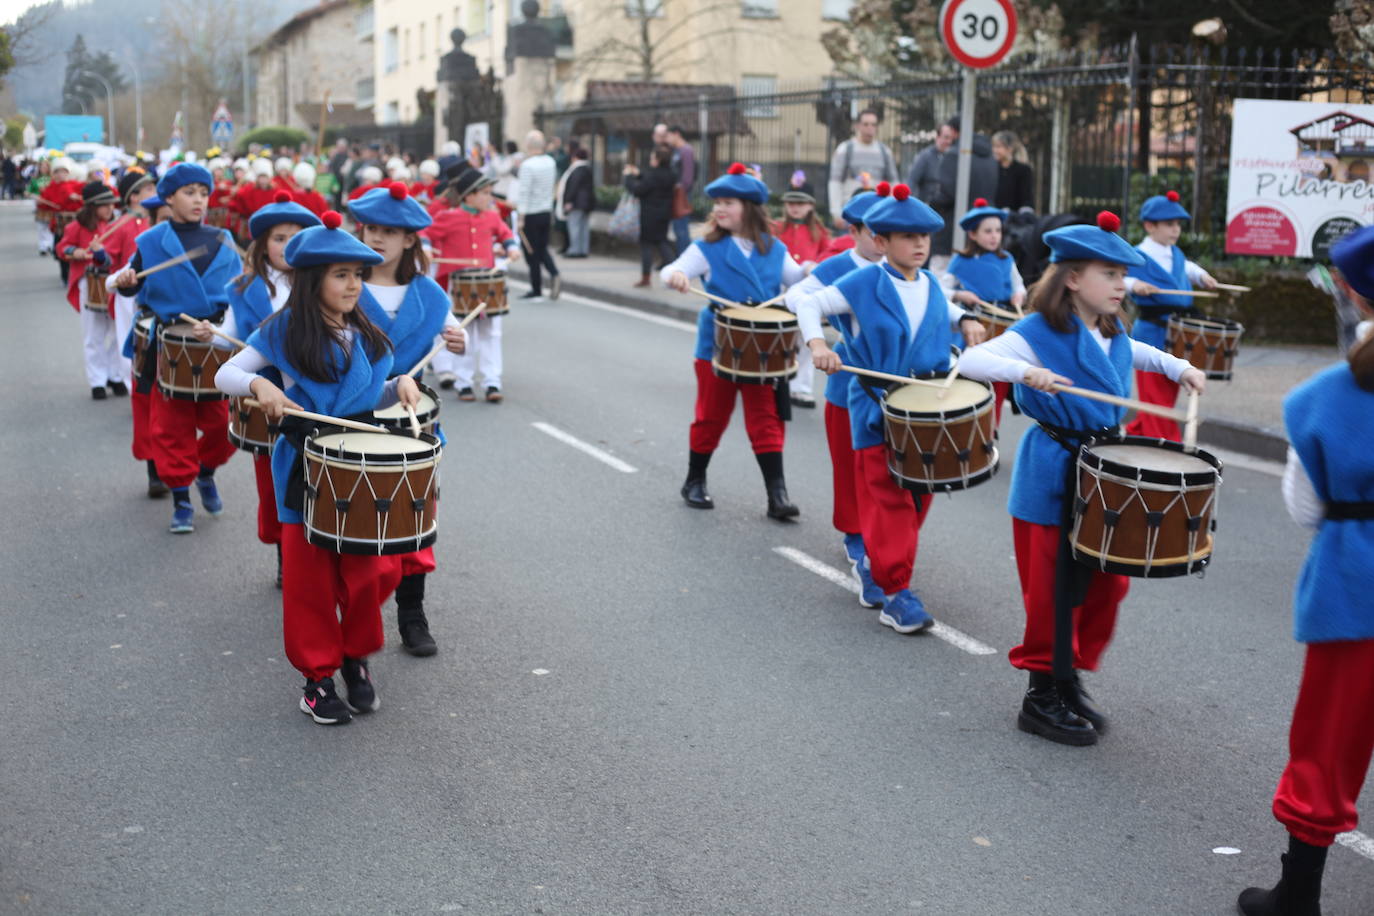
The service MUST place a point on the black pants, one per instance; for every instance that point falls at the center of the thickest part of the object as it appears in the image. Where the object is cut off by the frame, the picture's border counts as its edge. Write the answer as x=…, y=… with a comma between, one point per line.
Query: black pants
x=537, y=226
x=647, y=250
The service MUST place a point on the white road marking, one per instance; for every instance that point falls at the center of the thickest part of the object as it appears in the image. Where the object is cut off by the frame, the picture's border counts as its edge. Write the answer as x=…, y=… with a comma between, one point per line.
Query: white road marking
x=1360, y=842
x=628, y=312
x=845, y=581
x=540, y=671
x=602, y=456
x=1226, y=851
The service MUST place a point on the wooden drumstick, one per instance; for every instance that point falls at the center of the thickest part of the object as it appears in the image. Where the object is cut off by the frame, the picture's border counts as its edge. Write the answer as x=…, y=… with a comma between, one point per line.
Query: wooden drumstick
x=216, y=331
x=108, y=229
x=464, y=262
x=716, y=299
x=949, y=379
x=1190, y=423
x=414, y=421
x=774, y=301
x=1186, y=292
x=324, y=418
x=889, y=377
x=171, y=262
x=1141, y=406
x=1231, y=287
x=420, y=366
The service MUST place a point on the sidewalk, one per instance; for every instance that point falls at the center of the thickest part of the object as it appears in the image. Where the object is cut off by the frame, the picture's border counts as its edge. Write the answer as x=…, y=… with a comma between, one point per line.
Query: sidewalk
x=1243, y=415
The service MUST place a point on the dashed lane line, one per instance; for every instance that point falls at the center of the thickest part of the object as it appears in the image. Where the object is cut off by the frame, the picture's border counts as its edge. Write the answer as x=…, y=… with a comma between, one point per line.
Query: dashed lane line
x=600, y=455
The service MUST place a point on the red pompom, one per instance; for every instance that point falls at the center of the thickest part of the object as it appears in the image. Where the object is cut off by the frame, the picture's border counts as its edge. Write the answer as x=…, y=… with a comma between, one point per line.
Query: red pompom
x=736, y=168
x=332, y=219
x=901, y=192
x=281, y=197
x=981, y=202
x=1108, y=221
x=884, y=189
x=1172, y=196
x=398, y=190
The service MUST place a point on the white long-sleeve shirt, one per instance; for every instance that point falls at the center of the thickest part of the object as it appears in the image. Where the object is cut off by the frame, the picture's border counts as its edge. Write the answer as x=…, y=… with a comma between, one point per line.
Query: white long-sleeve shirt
x=1007, y=357
x=280, y=282
x=1299, y=496
x=811, y=284
x=951, y=283
x=829, y=301
x=390, y=299
x=694, y=264
x=235, y=378
x=534, y=193
x=1163, y=255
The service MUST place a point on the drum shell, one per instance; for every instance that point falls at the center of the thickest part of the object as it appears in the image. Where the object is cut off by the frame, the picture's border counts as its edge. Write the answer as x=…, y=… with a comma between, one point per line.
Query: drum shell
x=341, y=512
x=427, y=418
x=468, y=288
x=1210, y=344
x=143, y=343
x=63, y=220
x=913, y=437
x=1104, y=485
x=249, y=428
x=217, y=217
x=760, y=350
x=97, y=298
x=995, y=321
x=186, y=367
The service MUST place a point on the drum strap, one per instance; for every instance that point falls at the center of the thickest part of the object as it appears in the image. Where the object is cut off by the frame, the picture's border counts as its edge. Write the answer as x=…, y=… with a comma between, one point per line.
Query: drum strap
x=1337, y=511
x=1158, y=315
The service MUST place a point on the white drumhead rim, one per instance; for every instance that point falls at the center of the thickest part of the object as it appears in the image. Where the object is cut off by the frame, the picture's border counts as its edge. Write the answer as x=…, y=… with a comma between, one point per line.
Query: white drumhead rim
x=962, y=394
x=767, y=315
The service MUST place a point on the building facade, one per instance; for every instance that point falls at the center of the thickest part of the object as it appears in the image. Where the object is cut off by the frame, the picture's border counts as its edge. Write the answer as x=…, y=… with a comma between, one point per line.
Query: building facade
x=314, y=53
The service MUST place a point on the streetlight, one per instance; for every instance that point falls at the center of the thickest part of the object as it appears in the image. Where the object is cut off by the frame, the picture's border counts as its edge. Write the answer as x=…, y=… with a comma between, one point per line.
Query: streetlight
x=78, y=100
x=109, y=98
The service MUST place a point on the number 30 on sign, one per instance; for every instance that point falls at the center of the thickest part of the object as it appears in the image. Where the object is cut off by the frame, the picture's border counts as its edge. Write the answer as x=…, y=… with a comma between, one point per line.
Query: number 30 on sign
x=978, y=33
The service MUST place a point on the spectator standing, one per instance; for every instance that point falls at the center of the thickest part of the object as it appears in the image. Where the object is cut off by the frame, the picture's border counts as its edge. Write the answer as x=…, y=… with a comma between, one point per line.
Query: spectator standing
x=861, y=161
x=654, y=188
x=934, y=178
x=684, y=167
x=502, y=169
x=1015, y=181
x=534, y=203
x=576, y=200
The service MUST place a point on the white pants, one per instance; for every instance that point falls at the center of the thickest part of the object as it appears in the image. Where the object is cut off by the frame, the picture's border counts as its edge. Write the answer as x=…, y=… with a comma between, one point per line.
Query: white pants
x=483, y=354
x=45, y=239
x=104, y=364
x=125, y=309
x=805, y=372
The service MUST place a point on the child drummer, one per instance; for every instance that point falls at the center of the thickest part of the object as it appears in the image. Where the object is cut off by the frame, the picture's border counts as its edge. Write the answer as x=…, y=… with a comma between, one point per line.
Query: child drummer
x=82, y=247
x=901, y=325
x=1163, y=266
x=190, y=438
x=1074, y=335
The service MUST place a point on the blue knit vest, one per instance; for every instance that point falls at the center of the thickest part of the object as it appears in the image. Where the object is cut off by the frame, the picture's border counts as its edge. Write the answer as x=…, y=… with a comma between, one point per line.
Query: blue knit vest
x=180, y=289
x=1158, y=308
x=829, y=272
x=986, y=276
x=738, y=277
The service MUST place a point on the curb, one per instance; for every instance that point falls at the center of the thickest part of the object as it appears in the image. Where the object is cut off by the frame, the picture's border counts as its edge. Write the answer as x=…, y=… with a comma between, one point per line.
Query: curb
x=1233, y=435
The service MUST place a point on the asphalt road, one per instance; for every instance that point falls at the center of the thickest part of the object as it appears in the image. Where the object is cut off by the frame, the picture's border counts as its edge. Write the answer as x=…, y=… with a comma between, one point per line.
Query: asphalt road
x=637, y=708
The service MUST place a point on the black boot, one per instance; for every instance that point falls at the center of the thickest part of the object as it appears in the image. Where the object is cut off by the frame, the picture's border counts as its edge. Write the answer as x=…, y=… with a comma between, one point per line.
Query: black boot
x=1044, y=713
x=779, y=506
x=1299, y=890
x=410, y=616
x=279, y=567
x=1078, y=699
x=694, y=488
x=156, y=488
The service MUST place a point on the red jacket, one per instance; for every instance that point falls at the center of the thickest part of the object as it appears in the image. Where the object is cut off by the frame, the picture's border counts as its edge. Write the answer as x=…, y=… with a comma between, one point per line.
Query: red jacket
x=250, y=198
x=311, y=200
x=803, y=248
x=841, y=244
x=78, y=236
x=458, y=233
x=121, y=244
x=61, y=197
x=284, y=183
x=362, y=189
x=437, y=205
x=424, y=191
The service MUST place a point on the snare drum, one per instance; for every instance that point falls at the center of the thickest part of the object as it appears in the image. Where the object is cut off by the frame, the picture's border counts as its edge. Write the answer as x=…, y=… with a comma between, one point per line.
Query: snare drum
x=186, y=367
x=937, y=444
x=1210, y=344
x=371, y=493
x=217, y=217
x=994, y=318
x=1145, y=507
x=249, y=428
x=63, y=219
x=143, y=340
x=97, y=299
x=468, y=288
x=395, y=416
x=755, y=345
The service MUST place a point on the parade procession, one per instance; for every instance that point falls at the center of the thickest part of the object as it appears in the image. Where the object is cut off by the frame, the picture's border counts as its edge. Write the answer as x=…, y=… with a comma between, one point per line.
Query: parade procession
x=407, y=344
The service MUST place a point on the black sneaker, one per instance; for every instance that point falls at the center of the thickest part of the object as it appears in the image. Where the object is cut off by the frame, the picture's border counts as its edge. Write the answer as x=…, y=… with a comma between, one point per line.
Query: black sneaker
x=98, y=394
x=494, y=395
x=532, y=296
x=119, y=389
x=323, y=705
x=362, y=696
x=466, y=394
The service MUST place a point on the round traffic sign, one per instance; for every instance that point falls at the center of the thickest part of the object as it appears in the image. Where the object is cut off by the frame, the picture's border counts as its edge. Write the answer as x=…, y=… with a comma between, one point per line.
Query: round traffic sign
x=978, y=33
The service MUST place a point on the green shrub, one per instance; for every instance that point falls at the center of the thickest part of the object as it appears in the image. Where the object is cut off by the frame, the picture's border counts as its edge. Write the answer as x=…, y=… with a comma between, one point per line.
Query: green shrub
x=275, y=136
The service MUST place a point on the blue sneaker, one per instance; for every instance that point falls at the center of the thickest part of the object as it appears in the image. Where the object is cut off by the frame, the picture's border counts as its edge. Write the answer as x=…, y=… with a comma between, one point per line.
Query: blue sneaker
x=209, y=495
x=854, y=548
x=870, y=595
x=183, y=513
x=905, y=613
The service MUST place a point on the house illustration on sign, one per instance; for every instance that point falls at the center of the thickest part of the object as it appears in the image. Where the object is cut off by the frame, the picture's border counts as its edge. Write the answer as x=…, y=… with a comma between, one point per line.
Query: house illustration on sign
x=1342, y=142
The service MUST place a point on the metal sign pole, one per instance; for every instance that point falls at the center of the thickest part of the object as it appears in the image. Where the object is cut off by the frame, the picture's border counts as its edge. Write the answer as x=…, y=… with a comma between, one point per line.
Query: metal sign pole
x=961, y=184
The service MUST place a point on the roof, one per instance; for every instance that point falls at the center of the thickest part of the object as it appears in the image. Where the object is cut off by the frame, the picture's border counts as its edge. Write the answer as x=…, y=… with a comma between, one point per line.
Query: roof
x=299, y=20
x=634, y=107
x=1347, y=120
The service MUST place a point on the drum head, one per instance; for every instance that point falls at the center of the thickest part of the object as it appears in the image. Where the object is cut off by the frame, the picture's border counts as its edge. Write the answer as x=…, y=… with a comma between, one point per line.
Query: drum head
x=382, y=444
x=1152, y=458
x=397, y=411
x=179, y=329
x=962, y=395
x=146, y=322
x=745, y=314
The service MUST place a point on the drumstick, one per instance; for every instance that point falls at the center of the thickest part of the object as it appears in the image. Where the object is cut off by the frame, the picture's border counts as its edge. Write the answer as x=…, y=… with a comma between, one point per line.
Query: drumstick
x=171, y=262
x=524, y=240
x=774, y=301
x=705, y=295
x=949, y=379
x=1233, y=287
x=420, y=366
x=414, y=421
x=889, y=377
x=216, y=331
x=1186, y=292
x=1190, y=424
x=1141, y=406
x=108, y=229
x=324, y=418
x=467, y=262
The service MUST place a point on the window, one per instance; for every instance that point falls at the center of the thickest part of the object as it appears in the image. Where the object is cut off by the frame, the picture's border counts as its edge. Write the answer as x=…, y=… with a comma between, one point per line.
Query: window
x=477, y=17
x=644, y=9
x=759, y=9
x=391, y=50
x=405, y=49
x=836, y=9
x=762, y=87
x=392, y=113
x=363, y=23
x=363, y=91
x=420, y=45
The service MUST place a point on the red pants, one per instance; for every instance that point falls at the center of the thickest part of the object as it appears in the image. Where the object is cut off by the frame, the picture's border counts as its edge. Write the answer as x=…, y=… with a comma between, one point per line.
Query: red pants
x=269, y=528
x=1000, y=390
x=715, y=403
x=1037, y=548
x=331, y=603
x=421, y=561
x=846, y=514
x=891, y=520
x=1155, y=389
x=141, y=404
x=1330, y=742
x=179, y=453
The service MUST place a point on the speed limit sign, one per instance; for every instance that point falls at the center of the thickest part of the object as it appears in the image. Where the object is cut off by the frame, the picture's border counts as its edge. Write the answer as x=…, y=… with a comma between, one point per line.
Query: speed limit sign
x=978, y=33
